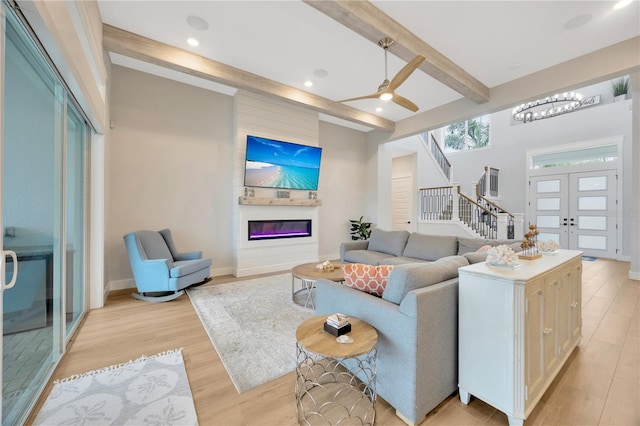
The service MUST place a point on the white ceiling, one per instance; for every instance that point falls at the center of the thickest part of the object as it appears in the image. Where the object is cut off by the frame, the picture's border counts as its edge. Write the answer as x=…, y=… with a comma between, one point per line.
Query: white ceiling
x=286, y=41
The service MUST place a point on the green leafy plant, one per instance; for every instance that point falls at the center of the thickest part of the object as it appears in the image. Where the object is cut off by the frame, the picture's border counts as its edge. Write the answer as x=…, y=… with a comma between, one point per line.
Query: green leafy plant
x=360, y=230
x=620, y=86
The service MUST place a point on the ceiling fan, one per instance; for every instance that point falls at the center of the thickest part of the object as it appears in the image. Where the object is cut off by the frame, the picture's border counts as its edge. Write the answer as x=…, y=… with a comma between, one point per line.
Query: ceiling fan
x=386, y=91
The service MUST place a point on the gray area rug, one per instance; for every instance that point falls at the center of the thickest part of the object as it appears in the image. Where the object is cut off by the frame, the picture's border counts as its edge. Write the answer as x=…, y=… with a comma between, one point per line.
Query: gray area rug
x=149, y=390
x=252, y=325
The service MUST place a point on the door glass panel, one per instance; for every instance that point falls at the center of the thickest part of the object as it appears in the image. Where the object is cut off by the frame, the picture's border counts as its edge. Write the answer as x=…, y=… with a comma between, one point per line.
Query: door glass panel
x=548, y=186
x=546, y=236
x=548, y=222
x=592, y=242
x=76, y=135
x=548, y=204
x=597, y=223
x=592, y=203
x=595, y=183
x=31, y=193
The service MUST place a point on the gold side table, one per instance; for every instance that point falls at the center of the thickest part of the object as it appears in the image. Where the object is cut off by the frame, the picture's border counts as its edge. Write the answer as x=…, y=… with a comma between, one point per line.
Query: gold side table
x=335, y=382
x=308, y=274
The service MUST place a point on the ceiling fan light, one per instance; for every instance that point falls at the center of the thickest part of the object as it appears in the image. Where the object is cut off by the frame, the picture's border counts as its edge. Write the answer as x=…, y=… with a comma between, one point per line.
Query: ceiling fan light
x=386, y=96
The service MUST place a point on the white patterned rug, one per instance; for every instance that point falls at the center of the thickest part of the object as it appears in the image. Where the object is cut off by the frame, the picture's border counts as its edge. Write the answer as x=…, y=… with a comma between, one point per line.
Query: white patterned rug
x=252, y=325
x=149, y=390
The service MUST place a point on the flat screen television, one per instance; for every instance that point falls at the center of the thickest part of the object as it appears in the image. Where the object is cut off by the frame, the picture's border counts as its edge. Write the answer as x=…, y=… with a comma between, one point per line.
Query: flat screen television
x=272, y=163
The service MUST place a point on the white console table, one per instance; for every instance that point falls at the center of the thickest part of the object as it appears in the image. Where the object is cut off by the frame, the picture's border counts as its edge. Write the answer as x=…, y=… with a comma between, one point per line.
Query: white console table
x=517, y=327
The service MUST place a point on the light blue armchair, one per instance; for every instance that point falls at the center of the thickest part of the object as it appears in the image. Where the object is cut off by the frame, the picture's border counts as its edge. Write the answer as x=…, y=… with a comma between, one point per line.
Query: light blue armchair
x=158, y=268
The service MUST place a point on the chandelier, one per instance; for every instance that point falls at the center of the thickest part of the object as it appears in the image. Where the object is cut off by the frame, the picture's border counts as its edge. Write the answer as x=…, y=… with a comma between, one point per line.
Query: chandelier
x=550, y=106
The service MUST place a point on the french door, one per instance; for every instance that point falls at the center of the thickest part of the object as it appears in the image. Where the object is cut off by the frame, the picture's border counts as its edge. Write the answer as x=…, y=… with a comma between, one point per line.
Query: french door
x=577, y=210
x=42, y=181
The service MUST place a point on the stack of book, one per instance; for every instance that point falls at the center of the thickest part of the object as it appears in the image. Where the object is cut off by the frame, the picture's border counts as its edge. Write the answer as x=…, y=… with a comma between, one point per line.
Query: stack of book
x=337, y=324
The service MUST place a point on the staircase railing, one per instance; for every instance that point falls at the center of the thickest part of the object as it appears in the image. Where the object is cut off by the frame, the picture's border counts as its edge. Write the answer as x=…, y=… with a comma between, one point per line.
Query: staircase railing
x=478, y=218
x=447, y=203
x=488, y=182
x=436, y=203
x=438, y=155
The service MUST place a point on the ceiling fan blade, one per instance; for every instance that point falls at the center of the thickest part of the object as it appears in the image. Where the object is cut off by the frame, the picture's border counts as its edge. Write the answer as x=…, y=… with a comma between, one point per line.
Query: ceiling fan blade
x=405, y=72
x=371, y=96
x=404, y=102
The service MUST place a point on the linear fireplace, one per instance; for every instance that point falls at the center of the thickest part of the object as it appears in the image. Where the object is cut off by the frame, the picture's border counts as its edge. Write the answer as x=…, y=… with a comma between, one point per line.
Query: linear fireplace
x=275, y=229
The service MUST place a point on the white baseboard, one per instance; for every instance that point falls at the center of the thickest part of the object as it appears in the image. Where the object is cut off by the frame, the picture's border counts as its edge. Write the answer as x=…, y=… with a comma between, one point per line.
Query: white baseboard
x=634, y=275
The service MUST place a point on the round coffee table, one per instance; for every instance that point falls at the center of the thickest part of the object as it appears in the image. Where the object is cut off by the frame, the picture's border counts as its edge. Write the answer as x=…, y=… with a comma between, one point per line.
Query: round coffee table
x=308, y=274
x=335, y=381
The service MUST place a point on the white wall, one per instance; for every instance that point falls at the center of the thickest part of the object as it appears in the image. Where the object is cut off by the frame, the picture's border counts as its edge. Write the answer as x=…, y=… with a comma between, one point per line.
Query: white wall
x=169, y=166
x=342, y=185
x=172, y=162
x=509, y=143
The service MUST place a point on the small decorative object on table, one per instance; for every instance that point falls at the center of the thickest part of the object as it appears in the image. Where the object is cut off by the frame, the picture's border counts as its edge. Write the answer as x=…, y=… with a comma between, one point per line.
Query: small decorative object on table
x=529, y=245
x=548, y=247
x=325, y=266
x=337, y=324
x=502, y=256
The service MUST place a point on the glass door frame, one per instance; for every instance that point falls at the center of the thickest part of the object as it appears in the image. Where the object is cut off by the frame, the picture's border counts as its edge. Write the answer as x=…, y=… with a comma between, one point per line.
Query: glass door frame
x=59, y=329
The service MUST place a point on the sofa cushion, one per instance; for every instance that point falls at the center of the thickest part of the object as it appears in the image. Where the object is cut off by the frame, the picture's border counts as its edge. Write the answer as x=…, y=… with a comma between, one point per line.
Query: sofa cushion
x=411, y=276
x=476, y=256
x=368, y=278
x=390, y=242
x=369, y=257
x=430, y=247
x=186, y=267
x=400, y=260
x=466, y=245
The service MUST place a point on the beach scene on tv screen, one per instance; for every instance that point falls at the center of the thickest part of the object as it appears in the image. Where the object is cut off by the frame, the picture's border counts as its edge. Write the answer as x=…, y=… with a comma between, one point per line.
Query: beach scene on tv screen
x=277, y=164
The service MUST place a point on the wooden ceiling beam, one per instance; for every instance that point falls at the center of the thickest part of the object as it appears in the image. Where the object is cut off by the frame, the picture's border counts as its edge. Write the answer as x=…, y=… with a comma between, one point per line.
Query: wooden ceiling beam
x=372, y=23
x=145, y=49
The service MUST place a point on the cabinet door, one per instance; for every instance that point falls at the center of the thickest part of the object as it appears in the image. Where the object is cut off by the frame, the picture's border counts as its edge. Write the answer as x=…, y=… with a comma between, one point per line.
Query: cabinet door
x=563, y=314
x=534, y=326
x=575, y=305
x=550, y=340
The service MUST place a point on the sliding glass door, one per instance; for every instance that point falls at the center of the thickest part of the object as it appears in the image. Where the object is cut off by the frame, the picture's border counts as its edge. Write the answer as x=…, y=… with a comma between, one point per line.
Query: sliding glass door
x=42, y=219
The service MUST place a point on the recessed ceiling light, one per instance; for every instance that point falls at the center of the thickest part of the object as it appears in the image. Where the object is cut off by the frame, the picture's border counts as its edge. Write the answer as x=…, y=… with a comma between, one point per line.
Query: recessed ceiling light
x=193, y=42
x=622, y=3
x=197, y=23
x=578, y=21
x=379, y=109
x=320, y=73
x=308, y=83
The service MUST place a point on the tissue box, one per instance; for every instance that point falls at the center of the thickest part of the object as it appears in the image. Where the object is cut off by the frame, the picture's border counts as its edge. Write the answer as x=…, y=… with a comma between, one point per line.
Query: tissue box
x=337, y=331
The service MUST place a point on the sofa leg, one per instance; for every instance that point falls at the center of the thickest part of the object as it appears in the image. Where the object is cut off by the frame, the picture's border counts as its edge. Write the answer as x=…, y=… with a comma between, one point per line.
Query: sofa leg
x=407, y=421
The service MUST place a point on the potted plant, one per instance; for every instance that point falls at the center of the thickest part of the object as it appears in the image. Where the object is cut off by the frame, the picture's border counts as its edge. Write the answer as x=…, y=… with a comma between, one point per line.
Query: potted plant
x=619, y=89
x=360, y=230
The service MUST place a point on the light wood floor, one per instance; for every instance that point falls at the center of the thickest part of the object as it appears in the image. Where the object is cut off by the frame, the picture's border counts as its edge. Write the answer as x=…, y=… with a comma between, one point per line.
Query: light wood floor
x=598, y=385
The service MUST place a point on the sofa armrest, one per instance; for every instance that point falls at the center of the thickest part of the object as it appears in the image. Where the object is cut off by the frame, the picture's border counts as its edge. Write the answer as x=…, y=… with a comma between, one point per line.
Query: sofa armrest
x=191, y=255
x=436, y=342
x=417, y=341
x=352, y=245
x=151, y=275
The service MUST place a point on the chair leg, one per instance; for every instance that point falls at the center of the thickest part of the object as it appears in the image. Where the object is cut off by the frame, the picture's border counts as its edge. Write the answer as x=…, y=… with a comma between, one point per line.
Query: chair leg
x=161, y=298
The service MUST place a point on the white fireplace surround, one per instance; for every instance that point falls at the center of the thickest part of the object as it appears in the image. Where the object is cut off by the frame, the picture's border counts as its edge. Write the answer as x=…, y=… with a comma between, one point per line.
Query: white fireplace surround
x=272, y=255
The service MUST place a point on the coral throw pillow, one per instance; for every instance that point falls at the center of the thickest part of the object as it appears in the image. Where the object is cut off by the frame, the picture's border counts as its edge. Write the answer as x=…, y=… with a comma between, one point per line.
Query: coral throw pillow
x=367, y=278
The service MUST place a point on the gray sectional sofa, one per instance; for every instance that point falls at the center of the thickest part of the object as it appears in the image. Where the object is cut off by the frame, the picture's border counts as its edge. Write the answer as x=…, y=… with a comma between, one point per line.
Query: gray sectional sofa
x=398, y=247
x=416, y=318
